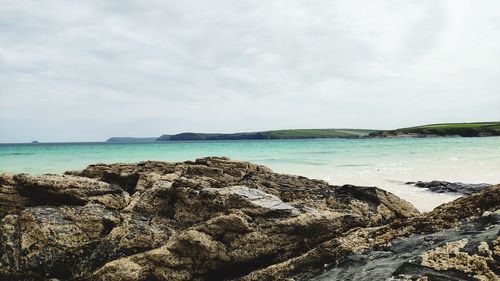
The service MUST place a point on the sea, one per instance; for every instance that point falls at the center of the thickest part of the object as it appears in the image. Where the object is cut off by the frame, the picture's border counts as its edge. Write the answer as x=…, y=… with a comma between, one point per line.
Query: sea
x=387, y=163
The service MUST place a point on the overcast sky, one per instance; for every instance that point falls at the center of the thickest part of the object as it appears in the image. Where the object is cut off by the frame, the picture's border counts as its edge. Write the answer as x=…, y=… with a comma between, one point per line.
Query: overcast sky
x=88, y=70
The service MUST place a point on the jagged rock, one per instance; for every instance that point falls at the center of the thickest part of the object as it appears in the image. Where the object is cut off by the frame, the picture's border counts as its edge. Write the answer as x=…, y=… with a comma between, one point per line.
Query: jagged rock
x=432, y=256
x=209, y=219
x=451, y=187
x=49, y=240
x=70, y=190
x=386, y=253
x=254, y=197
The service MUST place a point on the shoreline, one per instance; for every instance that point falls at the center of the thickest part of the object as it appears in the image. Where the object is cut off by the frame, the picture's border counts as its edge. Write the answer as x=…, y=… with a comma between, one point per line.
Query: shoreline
x=386, y=163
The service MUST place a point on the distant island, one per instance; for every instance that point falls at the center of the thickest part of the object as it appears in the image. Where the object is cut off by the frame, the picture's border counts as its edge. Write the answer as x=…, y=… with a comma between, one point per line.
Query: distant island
x=478, y=129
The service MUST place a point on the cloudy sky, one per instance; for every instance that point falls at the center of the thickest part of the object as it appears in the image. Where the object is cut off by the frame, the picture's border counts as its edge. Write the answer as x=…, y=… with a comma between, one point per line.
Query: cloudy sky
x=88, y=70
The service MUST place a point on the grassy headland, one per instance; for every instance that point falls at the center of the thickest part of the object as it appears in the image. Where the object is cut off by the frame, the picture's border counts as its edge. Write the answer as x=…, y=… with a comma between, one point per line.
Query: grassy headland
x=478, y=129
x=278, y=134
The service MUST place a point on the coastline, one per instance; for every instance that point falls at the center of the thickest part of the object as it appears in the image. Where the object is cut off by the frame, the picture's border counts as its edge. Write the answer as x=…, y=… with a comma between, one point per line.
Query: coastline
x=385, y=163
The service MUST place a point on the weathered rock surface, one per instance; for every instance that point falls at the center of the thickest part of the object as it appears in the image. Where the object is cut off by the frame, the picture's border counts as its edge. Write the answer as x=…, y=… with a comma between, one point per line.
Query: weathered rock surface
x=451, y=187
x=215, y=219
x=462, y=253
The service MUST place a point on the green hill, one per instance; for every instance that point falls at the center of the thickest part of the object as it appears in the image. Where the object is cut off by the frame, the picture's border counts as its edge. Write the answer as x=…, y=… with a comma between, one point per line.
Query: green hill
x=477, y=129
x=277, y=134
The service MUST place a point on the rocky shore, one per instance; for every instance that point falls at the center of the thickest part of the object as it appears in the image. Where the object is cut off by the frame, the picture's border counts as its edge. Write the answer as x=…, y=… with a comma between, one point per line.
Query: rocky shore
x=217, y=219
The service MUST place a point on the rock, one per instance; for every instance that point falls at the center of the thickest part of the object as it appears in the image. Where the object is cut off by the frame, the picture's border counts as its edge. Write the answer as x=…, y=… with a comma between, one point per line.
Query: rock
x=209, y=219
x=70, y=190
x=452, y=256
x=433, y=256
x=393, y=251
x=51, y=241
x=451, y=187
x=255, y=197
x=375, y=203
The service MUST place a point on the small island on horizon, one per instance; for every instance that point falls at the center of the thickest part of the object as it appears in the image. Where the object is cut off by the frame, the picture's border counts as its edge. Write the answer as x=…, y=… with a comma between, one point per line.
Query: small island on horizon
x=475, y=129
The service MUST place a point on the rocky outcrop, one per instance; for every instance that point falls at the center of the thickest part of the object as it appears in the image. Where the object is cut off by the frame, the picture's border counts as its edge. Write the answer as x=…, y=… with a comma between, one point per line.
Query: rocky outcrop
x=451, y=187
x=209, y=219
x=462, y=253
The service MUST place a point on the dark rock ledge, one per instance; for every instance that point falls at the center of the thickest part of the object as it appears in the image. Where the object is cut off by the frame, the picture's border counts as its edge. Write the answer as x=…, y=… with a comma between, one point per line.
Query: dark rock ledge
x=217, y=219
x=451, y=187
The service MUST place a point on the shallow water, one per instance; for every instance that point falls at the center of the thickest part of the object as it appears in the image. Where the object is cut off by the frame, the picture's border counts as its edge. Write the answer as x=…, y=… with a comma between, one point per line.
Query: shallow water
x=386, y=163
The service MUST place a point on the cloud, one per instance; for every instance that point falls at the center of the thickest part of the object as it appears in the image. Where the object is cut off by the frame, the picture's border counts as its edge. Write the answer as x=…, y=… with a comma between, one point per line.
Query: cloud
x=87, y=70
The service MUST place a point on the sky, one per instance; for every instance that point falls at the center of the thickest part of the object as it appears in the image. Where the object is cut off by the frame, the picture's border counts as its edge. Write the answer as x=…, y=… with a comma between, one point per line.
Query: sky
x=89, y=70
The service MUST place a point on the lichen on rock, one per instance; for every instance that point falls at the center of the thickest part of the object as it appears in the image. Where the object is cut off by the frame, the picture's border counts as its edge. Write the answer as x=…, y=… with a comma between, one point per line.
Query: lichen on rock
x=451, y=256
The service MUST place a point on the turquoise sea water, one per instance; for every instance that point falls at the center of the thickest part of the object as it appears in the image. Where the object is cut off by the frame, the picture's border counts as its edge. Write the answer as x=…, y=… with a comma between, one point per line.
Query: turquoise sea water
x=386, y=163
